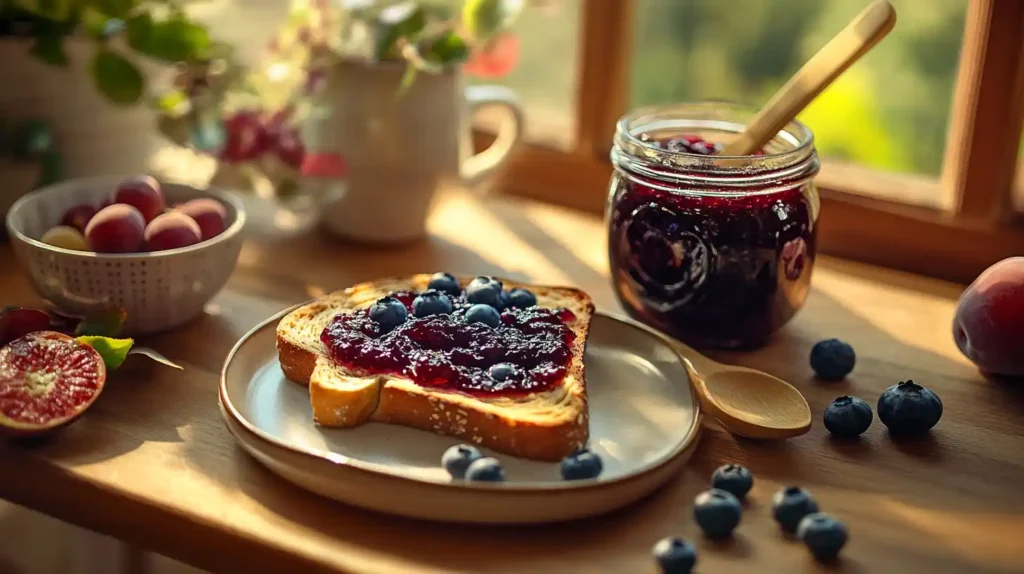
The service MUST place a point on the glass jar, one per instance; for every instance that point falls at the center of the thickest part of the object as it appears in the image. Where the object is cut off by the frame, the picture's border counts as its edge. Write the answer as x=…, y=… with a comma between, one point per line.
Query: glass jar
x=714, y=250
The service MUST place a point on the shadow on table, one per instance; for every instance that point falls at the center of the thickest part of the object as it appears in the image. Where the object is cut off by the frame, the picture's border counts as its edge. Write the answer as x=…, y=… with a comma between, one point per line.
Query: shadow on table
x=898, y=488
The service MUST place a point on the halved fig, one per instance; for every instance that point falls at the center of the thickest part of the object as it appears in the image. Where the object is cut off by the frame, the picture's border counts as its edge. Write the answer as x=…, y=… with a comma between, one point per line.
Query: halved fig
x=47, y=380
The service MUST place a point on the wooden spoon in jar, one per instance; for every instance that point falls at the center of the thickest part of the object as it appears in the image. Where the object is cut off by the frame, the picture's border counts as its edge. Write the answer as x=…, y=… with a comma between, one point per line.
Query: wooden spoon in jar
x=747, y=402
x=859, y=36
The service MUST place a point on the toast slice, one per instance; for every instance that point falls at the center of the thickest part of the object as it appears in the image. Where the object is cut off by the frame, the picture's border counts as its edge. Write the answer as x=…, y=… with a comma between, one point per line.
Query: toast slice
x=545, y=425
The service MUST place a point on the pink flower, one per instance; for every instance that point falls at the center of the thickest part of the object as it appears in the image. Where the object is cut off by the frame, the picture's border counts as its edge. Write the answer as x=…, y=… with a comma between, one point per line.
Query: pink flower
x=498, y=58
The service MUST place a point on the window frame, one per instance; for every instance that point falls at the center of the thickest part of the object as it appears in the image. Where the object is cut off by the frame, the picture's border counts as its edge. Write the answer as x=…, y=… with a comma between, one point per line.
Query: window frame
x=953, y=227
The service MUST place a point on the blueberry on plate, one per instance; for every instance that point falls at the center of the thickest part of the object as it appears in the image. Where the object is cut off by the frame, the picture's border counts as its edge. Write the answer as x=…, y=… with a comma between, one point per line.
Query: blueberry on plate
x=832, y=359
x=848, y=417
x=388, y=313
x=790, y=505
x=483, y=314
x=485, y=469
x=581, y=465
x=675, y=555
x=717, y=512
x=503, y=301
x=458, y=458
x=501, y=372
x=445, y=283
x=734, y=479
x=431, y=302
x=909, y=409
x=521, y=298
x=485, y=291
x=823, y=535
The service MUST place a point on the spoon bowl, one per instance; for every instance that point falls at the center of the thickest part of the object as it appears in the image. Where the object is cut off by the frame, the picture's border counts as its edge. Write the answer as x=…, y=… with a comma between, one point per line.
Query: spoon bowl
x=752, y=403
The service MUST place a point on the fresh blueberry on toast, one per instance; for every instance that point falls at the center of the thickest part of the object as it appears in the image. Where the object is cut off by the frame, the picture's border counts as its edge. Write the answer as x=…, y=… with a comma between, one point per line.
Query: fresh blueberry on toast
x=516, y=385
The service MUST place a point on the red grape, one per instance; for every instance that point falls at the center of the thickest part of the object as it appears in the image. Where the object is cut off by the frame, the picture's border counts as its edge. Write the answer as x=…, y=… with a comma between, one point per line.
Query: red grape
x=247, y=137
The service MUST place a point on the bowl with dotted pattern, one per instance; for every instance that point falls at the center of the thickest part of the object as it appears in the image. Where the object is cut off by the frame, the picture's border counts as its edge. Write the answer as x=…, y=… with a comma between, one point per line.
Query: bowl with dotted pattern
x=159, y=290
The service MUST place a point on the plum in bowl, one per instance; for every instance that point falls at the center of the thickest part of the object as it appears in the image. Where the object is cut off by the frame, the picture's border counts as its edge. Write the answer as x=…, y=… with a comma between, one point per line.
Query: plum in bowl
x=158, y=289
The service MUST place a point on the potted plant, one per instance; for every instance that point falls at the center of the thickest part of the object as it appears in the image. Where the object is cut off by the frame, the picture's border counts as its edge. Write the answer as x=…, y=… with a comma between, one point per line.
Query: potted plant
x=363, y=101
x=74, y=68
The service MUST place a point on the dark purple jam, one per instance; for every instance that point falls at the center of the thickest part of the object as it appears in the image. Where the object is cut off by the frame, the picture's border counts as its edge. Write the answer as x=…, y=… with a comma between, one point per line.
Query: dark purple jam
x=715, y=268
x=443, y=351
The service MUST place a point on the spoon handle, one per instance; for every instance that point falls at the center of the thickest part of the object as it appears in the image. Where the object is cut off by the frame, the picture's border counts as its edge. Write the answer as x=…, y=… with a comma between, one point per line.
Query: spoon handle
x=859, y=36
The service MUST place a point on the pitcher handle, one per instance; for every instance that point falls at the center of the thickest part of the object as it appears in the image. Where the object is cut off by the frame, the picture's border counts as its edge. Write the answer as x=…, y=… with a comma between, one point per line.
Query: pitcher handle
x=483, y=164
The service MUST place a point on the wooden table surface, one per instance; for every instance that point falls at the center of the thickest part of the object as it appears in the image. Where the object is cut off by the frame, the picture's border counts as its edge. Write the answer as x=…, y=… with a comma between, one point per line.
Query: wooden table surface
x=152, y=462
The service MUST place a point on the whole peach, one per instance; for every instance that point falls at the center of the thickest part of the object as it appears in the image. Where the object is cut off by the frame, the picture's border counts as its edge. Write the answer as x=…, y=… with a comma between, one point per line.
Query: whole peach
x=116, y=228
x=208, y=213
x=143, y=193
x=989, y=322
x=171, y=231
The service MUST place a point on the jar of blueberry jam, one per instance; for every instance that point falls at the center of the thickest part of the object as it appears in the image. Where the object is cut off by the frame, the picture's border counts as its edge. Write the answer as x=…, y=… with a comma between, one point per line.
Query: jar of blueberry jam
x=714, y=250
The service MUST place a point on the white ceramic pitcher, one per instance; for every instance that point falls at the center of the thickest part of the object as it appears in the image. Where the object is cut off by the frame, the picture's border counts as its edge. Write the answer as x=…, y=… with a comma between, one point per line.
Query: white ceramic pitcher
x=401, y=149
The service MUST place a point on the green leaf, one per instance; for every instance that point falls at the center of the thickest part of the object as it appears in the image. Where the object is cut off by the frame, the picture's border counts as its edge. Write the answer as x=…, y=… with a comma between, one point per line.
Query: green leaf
x=173, y=102
x=102, y=324
x=49, y=47
x=172, y=40
x=113, y=351
x=448, y=49
x=153, y=354
x=408, y=77
x=99, y=25
x=116, y=77
x=396, y=22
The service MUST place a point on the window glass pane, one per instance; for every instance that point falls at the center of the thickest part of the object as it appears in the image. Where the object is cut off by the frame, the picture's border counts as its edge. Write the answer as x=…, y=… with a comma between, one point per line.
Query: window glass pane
x=889, y=111
x=545, y=76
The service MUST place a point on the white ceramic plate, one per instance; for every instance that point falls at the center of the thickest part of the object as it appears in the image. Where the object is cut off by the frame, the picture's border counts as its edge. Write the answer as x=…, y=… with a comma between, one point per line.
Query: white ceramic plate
x=644, y=423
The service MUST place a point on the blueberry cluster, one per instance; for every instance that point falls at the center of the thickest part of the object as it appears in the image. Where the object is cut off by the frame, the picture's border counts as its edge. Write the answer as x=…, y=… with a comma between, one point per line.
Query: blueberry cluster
x=467, y=462
x=906, y=409
x=718, y=512
x=486, y=296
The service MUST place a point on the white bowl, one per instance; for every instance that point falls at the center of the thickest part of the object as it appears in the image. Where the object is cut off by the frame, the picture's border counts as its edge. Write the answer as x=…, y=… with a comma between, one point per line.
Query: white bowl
x=158, y=290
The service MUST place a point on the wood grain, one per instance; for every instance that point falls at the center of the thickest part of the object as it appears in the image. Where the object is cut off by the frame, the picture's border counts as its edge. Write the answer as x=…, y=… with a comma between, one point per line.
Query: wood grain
x=988, y=111
x=606, y=57
x=152, y=462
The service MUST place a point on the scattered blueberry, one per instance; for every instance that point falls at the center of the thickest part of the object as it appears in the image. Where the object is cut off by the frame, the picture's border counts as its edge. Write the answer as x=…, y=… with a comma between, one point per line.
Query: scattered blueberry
x=909, y=409
x=389, y=313
x=824, y=535
x=483, y=314
x=790, y=505
x=431, y=302
x=832, y=359
x=848, y=417
x=458, y=458
x=504, y=302
x=521, y=298
x=446, y=283
x=485, y=291
x=581, y=465
x=501, y=371
x=485, y=469
x=717, y=512
x=675, y=555
x=734, y=479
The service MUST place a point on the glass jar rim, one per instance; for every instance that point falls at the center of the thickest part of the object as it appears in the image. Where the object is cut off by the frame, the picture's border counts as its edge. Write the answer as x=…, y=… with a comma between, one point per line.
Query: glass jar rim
x=718, y=116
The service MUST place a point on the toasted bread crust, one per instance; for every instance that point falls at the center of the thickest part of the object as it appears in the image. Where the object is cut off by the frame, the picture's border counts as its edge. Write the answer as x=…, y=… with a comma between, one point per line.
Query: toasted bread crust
x=542, y=426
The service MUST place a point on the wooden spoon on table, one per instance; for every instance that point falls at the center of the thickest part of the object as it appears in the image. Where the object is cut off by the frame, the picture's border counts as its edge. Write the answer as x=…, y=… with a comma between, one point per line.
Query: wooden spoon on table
x=859, y=36
x=747, y=402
